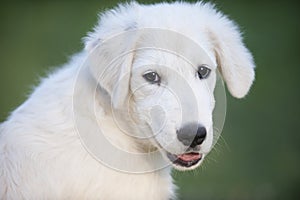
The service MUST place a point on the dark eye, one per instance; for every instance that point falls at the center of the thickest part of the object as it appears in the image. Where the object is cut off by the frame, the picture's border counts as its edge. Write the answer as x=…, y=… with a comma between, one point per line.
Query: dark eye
x=203, y=72
x=152, y=77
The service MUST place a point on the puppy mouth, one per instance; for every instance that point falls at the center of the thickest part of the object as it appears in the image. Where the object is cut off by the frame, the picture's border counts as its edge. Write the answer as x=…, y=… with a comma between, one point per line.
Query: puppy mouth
x=186, y=160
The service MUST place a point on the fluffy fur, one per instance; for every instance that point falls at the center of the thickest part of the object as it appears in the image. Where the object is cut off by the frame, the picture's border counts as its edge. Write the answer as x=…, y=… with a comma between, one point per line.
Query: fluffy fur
x=42, y=156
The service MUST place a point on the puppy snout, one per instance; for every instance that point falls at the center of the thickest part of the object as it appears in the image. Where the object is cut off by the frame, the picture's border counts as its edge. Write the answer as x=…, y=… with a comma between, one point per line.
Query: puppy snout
x=192, y=135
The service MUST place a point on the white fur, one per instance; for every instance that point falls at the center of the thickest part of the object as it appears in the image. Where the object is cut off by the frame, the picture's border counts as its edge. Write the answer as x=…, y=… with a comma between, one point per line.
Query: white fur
x=41, y=154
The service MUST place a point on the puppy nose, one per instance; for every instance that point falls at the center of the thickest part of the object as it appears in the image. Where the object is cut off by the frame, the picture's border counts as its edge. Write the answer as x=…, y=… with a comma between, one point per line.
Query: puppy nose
x=192, y=135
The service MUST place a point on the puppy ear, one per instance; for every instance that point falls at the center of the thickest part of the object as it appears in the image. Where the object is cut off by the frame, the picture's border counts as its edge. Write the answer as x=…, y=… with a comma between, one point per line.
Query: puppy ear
x=234, y=60
x=121, y=90
x=110, y=50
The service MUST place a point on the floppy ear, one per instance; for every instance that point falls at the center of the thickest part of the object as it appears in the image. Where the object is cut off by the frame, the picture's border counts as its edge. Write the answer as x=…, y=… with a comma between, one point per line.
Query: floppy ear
x=110, y=51
x=234, y=60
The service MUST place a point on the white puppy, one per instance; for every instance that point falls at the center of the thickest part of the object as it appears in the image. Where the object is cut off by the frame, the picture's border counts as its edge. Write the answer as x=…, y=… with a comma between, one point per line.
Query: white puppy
x=139, y=96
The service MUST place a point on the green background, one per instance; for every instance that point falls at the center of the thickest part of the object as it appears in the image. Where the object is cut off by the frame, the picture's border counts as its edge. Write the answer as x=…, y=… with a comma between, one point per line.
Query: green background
x=258, y=154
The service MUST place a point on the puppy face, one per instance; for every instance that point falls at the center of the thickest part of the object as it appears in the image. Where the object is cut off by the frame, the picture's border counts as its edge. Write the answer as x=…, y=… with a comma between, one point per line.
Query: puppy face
x=171, y=88
x=168, y=95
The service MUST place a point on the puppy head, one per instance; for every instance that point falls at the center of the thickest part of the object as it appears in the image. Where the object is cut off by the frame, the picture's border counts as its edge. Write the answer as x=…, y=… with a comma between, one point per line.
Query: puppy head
x=153, y=65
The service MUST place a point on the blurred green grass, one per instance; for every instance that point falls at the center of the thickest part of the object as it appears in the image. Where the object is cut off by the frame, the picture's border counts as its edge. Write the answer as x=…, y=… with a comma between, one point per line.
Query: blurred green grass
x=258, y=157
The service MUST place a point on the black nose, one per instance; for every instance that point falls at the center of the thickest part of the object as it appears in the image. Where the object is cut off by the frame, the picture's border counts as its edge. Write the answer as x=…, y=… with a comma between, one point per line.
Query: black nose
x=192, y=135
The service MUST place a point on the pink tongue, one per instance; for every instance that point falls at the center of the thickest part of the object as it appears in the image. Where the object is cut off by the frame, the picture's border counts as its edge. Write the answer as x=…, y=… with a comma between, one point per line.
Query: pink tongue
x=189, y=156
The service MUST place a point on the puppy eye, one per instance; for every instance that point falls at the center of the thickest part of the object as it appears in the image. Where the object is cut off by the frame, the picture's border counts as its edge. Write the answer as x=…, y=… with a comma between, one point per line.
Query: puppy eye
x=203, y=72
x=152, y=77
